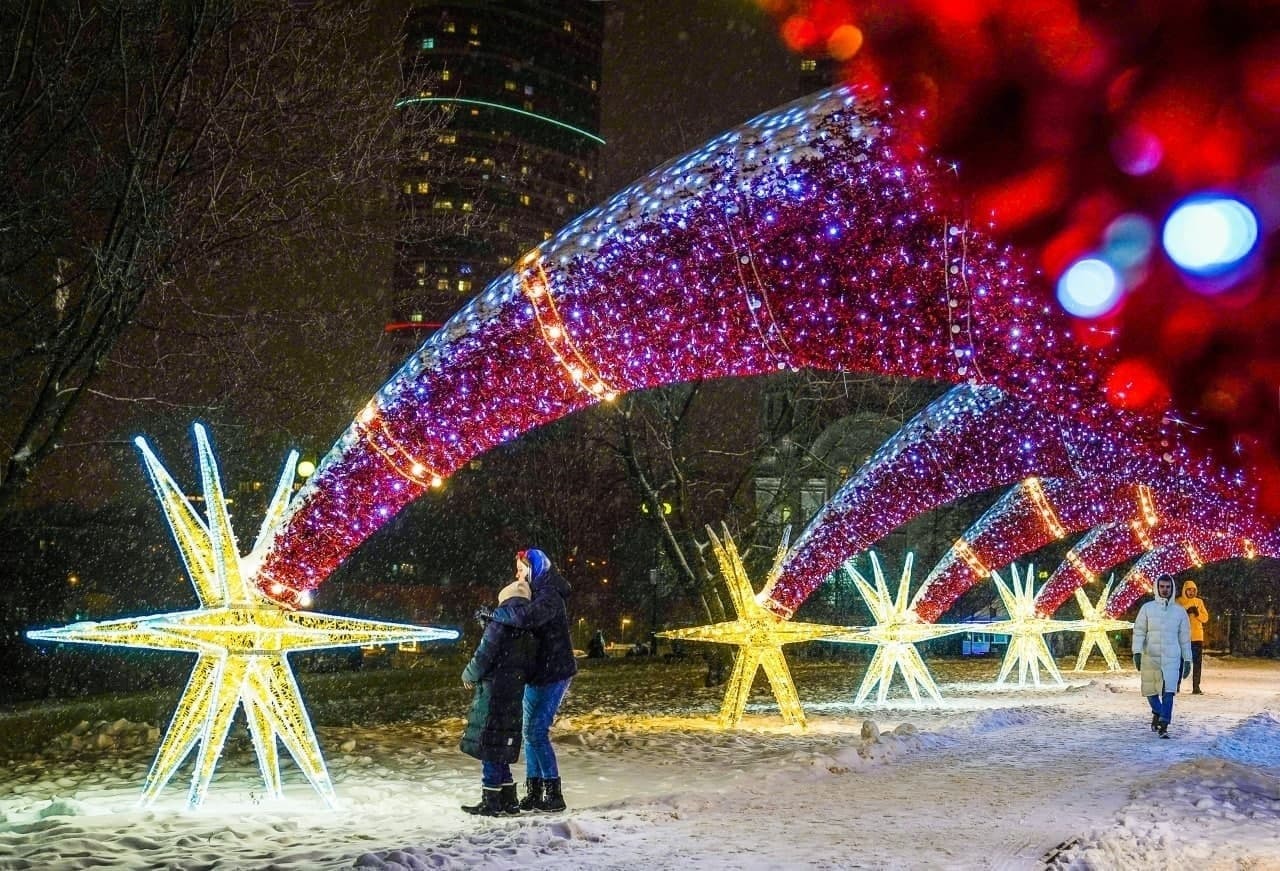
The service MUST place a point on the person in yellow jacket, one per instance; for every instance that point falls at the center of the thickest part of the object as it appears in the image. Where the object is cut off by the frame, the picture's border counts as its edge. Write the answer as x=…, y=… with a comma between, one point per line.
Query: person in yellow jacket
x=1198, y=614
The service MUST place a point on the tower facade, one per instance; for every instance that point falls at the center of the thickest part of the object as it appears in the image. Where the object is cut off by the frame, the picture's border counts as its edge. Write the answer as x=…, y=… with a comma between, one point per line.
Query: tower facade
x=517, y=83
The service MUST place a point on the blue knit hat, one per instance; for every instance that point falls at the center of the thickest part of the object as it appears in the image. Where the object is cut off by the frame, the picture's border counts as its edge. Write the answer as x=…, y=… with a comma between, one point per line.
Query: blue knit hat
x=539, y=563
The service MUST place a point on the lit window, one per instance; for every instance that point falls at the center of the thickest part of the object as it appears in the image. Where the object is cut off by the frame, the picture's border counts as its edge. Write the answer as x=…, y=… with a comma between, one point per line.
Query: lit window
x=442, y=204
x=450, y=27
x=504, y=260
x=524, y=199
x=421, y=269
x=470, y=158
x=808, y=65
x=571, y=197
x=528, y=105
x=504, y=226
x=422, y=282
x=475, y=29
x=424, y=156
x=442, y=284
x=595, y=86
x=466, y=205
x=428, y=43
x=528, y=90
x=567, y=25
x=582, y=171
x=509, y=85
x=524, y=170
x=416, y=318
x=546, y=234
x=447, y=138
x=488, y=161
x=464, y=285
x=408, y=187
x=445, y=76
x=424, y=187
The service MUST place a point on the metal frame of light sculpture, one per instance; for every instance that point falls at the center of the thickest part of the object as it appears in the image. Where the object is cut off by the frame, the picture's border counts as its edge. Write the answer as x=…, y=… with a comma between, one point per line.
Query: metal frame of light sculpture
x=1096, y=623
x=897, y=631
x=758, y=633
x=241, y=641
x=1026, y=629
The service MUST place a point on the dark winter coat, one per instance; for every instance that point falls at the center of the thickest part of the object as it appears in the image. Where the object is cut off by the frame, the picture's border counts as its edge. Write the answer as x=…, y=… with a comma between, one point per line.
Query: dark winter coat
x=500, y=668
x=547, y=616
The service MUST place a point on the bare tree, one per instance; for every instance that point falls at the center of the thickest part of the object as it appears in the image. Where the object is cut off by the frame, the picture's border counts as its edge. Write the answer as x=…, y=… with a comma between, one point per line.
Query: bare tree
x=155, y=154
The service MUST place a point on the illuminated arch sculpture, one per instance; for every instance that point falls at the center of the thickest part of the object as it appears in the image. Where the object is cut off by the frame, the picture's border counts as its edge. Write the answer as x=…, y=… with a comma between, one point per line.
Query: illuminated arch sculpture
x=801, y=239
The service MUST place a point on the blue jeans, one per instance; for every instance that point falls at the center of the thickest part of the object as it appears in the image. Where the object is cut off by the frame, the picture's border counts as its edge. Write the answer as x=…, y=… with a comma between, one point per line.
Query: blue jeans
x=540, y=706
x=1162, y=706
x=494, y=774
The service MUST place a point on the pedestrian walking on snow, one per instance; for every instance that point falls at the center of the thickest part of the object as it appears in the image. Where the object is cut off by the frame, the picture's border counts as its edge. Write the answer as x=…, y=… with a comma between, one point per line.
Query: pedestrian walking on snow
x=498, y=671
x=1198, y=615
x=1162, y=652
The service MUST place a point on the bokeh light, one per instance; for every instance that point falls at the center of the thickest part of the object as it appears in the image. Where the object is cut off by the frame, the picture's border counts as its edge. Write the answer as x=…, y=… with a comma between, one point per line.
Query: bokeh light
x=1090, y=287
x=1208, y=235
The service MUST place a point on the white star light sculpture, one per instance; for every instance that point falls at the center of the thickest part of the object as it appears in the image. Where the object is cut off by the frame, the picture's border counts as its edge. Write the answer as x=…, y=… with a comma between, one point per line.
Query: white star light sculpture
x=241, y=641
x=758, y=634
x=1026, y=629
x=897, y=631
x=1096, y=624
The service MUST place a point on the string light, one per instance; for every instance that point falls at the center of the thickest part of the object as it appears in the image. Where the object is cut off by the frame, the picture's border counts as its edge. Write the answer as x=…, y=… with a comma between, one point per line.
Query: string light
x=240, y=639
x=759, y=635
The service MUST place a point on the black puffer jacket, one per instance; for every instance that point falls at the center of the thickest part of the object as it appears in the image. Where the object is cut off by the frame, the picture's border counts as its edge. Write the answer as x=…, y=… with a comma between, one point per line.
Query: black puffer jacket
x=500, y=668
x=547, y=616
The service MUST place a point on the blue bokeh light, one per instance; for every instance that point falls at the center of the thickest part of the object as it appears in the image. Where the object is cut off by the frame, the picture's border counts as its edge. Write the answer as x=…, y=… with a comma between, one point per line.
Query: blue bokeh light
x=1210, y=234
x=1089, y=287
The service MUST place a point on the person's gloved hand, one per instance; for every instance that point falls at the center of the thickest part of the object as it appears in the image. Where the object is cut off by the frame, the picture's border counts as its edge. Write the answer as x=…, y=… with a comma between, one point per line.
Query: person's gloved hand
x=1193, y=611
x=1186, y=668
x=483, y=615
x=1137, y=661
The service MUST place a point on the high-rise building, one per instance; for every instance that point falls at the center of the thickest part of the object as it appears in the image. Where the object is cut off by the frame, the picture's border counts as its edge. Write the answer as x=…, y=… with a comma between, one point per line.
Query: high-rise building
x=516, y=158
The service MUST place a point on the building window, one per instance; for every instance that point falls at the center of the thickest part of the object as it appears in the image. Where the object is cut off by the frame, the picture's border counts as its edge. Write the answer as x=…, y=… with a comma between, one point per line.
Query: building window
x=808, y=65
x=424, y=187
x=428, y=43
x=528, y=105
x=474, y=29
x=466, y=205
x=421, y=269
x=528, y=90
x=504, y=226
x=567, y=25
x=464, y=285
x=424, y=156
x=571, y=197
x=504, y=260
x=442, y=284
x=488, y=161
x=546, y=234
x=443, y=205
x=509, y=85
x=595, y=86
x=450, y=27
x=470, y=158
x=408, y=187
x=445, y=75
x=447, y=138
x=416, y=318
x=524, y=199
x=524, y=170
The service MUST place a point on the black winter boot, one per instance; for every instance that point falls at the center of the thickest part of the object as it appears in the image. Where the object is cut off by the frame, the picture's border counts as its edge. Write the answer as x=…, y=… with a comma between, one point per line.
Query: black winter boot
x=1163, y=729
x=552, y=798
x=490, y=804
x=510, y=801
x=1155, y=722
x=532, y=800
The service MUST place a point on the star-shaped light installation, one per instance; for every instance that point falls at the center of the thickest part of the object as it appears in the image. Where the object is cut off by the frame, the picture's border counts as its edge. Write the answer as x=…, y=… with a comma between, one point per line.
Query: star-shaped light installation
x=1026, y=629
x=897, y=631
x=1095, y=623
x=758, y=633
x=241, y=641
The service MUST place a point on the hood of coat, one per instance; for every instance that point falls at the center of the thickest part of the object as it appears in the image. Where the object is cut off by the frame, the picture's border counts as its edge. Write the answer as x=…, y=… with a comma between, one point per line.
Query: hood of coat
x=551, y=578
x=1165, y=600
x=511, y=611
x=1190, y=590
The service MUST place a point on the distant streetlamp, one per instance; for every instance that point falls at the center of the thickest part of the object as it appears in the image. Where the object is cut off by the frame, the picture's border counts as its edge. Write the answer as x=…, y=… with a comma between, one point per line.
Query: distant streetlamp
x=306, y=469
x=626, y=621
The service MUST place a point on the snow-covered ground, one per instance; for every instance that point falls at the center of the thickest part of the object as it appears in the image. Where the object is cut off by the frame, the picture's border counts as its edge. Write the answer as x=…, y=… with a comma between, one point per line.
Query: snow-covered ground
x=1067, y=778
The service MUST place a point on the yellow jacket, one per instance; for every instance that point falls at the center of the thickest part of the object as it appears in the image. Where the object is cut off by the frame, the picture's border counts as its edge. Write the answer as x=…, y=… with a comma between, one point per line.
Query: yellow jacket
x=1190, y=599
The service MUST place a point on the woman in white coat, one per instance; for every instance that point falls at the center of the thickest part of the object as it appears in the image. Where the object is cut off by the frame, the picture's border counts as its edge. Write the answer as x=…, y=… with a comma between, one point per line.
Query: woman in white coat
x=1162, y=652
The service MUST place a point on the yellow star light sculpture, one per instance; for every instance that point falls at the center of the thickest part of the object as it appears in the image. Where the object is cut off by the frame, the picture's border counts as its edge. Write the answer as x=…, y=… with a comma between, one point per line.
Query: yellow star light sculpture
x=758, y=634
x=1026, y=629
x=240, y=638
x=897, y=631
x=1095, y=624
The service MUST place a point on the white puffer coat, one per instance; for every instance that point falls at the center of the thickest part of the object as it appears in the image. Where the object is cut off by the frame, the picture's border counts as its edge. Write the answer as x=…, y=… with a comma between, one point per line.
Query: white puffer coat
x=1162, y=634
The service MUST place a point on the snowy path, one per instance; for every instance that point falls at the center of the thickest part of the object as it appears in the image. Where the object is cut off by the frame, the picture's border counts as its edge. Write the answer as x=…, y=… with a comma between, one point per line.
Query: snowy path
x=996, y=781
